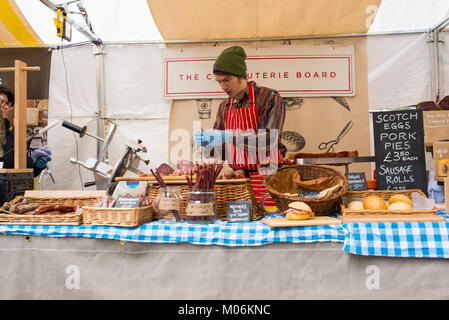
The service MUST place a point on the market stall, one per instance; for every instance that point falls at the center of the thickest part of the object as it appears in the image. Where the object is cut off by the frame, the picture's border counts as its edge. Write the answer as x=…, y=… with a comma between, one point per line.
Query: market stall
x=130, y=207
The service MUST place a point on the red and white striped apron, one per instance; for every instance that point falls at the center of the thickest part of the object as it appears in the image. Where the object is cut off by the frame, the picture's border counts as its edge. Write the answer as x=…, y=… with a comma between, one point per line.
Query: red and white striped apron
x=247, y=120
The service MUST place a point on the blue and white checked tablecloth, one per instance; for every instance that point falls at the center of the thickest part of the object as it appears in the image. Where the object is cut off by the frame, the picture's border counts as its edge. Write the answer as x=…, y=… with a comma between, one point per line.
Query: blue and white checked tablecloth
x=399, y=239
x=405, y=239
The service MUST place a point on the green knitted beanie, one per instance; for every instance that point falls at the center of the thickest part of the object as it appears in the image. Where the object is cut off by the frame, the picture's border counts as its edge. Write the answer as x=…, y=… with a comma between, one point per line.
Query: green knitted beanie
x=231, y=60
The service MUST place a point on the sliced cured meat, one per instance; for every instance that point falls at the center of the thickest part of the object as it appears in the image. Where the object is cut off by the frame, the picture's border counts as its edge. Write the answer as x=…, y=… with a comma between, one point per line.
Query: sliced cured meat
x=165, y=169
x=185, y=167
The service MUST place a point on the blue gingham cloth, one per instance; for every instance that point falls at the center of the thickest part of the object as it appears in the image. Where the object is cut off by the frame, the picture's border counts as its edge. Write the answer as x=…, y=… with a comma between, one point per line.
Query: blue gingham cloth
x=254, y=233
x=401, y=239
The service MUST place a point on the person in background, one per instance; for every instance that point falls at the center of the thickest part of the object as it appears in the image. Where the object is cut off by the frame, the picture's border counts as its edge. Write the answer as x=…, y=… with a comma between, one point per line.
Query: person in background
x=435, y=190
x=39, y=157
x=245, y=122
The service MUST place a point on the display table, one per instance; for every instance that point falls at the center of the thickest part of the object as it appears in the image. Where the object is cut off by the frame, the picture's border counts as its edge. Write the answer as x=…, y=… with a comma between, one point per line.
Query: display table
x=80, y=268
x=395, y=239
x=225, y=261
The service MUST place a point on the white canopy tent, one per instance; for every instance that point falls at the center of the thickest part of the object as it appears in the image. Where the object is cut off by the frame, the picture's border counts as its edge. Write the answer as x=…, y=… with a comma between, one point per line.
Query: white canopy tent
x=125, y=83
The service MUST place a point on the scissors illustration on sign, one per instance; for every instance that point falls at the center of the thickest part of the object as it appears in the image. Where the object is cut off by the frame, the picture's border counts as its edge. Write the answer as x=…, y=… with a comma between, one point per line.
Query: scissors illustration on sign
x=329, y=146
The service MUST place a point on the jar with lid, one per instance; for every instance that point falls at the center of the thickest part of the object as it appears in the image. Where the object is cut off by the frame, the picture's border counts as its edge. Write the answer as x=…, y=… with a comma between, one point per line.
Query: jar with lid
x=167, y=204
x=201, y=206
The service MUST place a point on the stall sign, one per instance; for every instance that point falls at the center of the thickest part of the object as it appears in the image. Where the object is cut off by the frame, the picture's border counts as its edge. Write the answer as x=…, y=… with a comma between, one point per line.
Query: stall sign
x=356, y=181
x=300, y=70
x=399, y=148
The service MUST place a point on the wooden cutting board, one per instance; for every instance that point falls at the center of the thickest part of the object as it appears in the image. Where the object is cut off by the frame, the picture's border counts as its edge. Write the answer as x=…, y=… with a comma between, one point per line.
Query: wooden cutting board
x=416, y=217
x=313, y=221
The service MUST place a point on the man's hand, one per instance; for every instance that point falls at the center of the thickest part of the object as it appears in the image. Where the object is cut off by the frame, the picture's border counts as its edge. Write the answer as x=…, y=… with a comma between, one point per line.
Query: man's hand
x=211, y=137
x=198, y=139
x=41, y=157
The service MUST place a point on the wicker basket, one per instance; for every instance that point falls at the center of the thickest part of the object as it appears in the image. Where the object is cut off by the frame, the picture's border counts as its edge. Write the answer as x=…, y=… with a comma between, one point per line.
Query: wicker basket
x=119, y=217
x=384, y=194
x=322, y=206
x=226, y=190
x=42, y=219
x=81, y=200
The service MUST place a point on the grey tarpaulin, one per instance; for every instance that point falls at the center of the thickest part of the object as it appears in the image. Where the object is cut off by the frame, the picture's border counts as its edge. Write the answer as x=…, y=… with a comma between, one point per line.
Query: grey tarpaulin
x=78, y=268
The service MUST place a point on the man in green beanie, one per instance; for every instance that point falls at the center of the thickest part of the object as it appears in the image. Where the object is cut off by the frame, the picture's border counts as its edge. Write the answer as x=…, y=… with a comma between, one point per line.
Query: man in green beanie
x=245, y=122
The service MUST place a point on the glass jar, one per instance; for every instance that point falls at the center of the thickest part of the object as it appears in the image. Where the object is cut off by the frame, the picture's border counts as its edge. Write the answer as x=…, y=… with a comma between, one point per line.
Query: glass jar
x=201, y=206
x=167, y=204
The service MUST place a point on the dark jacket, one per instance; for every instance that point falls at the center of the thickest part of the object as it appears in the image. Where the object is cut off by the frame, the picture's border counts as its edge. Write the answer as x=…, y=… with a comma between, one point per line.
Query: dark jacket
x=8, y=158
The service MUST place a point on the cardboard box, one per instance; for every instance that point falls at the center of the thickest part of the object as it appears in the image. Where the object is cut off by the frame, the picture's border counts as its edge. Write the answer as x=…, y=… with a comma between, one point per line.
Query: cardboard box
x=32, y=117
x=440, y=152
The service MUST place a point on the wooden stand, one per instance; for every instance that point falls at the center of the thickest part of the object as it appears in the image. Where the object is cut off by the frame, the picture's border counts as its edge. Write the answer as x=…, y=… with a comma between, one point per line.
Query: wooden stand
x=430, y=147
x=446, y=194
x=20, y=70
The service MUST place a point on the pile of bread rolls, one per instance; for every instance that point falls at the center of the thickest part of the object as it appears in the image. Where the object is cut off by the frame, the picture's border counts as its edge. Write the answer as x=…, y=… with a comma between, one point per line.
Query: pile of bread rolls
x=397, y=202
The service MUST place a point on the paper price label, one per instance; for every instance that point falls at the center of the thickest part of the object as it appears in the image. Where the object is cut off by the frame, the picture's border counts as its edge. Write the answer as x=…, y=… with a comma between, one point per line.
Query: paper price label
x=169, y=204
x=200, y=209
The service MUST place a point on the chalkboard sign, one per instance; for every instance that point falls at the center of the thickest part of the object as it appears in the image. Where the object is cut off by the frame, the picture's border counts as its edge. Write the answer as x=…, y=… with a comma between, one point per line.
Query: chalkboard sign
x=356, y=181
x=399, y=148
x=239, y=211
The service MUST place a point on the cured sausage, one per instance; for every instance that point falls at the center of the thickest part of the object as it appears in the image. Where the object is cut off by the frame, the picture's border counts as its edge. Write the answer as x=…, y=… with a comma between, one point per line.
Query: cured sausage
x=43, y=209
x=22, y=209
x=53, y=213
x=65, y=207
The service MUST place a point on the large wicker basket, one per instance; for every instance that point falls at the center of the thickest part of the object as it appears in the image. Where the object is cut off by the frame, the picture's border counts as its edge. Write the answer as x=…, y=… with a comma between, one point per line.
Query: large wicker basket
x=321, y=207
x=42, y=219
x=226, y=190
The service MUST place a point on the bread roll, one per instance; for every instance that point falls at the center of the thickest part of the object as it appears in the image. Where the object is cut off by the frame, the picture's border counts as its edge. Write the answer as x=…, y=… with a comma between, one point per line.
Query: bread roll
x=298, y=210
x=355, y=206
x=295, y=215
x=400, y=198
x=299, y=205
x=374, y=203
x=399, y=206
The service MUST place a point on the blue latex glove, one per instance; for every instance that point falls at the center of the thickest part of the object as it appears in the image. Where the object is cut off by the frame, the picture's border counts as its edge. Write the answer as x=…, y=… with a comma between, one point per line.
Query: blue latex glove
x=41, y=157
x=41, y=162
x=198, y=139
x=434, y=190
x=211, y=137
x=216, y=137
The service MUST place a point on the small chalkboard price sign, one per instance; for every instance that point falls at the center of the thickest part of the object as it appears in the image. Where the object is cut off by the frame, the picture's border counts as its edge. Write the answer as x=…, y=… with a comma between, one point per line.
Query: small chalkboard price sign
x=239, y=211
x=356, y=181
x=399, y=148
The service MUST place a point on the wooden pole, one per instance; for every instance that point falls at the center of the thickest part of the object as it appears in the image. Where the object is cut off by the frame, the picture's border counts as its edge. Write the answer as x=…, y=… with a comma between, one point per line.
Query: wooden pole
x=20, y=70
x=20, y=114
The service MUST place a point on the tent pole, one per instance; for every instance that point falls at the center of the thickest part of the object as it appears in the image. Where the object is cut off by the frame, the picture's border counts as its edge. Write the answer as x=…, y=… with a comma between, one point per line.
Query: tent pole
x=439, y=37
x=438, y=74
x=432, y=63
x=99, y=56
x=213, y=41
x=436, y=38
